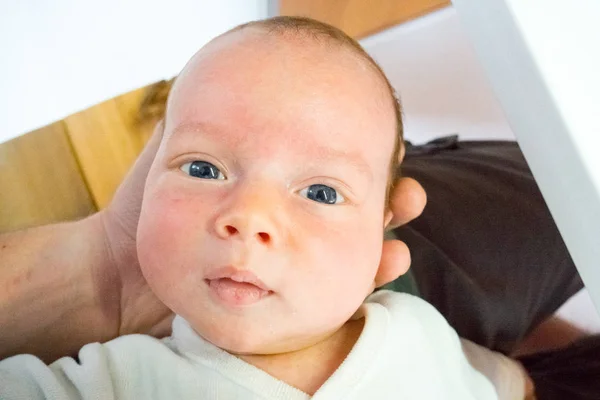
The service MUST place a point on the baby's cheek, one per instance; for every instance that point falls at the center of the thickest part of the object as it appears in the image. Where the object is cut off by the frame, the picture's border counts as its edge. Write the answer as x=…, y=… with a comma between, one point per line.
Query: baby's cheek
x=339, y=266
x=346, y=256
x=165, y=231
x=362, y=242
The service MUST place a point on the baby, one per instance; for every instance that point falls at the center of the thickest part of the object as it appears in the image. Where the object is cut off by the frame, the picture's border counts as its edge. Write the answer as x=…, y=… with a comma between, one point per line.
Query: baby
x=261, y=228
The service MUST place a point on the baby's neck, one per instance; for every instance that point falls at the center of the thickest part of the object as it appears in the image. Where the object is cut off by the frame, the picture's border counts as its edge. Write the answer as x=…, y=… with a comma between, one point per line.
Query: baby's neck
x=309, y=368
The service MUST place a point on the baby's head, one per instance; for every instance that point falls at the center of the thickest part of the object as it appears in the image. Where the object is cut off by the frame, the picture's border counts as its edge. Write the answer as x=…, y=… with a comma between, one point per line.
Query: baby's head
x=264, y=211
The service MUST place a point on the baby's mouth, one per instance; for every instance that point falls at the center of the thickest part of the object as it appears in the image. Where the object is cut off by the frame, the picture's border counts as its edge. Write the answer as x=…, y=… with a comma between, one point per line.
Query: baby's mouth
x=234, y=293
x=236, y=287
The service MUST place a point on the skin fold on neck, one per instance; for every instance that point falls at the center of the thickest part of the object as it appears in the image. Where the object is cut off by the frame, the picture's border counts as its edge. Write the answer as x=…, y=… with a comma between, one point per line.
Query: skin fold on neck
x=308, y=369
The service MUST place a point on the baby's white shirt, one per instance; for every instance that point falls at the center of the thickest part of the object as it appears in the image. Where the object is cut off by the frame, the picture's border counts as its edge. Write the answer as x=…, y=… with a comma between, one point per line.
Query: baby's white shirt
x=405, y=351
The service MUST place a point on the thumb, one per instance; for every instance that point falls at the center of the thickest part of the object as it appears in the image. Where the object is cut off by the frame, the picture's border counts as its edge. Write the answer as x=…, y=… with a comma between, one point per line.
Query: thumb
x=133, y=185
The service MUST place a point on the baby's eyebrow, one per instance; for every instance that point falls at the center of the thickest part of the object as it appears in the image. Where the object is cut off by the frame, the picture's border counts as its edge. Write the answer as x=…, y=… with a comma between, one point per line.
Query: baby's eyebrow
x=334, y=156
x=188, y=129
x=324, y=154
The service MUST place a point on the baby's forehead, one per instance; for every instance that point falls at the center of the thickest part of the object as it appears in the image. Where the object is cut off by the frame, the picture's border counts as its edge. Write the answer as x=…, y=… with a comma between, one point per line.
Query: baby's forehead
x=251, y=60
x=300, y=56
x=244, y=74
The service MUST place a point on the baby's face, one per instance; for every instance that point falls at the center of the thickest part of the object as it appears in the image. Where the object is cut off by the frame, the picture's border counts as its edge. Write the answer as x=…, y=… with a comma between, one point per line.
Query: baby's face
x=263, y=214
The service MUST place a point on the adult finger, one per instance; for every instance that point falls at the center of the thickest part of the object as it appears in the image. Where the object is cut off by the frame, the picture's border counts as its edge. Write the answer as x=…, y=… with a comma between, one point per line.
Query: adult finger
x=395, y=261
x=407, y=201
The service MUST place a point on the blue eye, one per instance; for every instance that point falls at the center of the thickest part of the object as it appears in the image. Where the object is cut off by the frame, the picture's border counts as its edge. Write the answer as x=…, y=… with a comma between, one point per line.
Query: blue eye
x=202, y=169
x=322, y=194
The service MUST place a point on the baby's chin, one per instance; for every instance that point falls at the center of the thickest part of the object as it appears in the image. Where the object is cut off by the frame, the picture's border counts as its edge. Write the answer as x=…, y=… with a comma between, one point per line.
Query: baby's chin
x=259, y=340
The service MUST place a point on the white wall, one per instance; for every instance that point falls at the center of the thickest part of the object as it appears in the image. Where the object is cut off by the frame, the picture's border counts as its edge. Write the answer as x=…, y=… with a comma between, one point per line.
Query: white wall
x=441, y=83
x=61, y=56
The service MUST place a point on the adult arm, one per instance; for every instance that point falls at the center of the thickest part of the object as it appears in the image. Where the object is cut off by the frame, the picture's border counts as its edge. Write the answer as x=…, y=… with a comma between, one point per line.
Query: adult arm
x=68, y=284
x=48, y=291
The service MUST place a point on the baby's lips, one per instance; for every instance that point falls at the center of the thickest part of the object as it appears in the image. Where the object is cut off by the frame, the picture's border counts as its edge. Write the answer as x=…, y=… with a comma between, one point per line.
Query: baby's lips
x=234, y=294
x=237, y=275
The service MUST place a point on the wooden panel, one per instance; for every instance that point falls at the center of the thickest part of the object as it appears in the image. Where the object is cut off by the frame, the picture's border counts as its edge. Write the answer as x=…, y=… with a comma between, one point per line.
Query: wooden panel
x=360, y=18
x=40, y=181
x=107, y=139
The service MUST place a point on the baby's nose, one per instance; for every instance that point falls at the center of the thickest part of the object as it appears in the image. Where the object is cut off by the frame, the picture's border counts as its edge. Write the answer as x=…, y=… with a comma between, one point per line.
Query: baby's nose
x=250, y=214
x=247, y=232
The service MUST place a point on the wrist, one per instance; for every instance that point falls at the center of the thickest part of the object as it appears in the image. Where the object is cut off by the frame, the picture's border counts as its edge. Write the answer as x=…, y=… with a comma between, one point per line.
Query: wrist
x=55, y=297
x=103, y=274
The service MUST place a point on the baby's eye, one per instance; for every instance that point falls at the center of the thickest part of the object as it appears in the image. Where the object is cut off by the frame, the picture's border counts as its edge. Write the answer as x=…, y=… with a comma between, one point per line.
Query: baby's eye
x=322, y=194
x=202, y=169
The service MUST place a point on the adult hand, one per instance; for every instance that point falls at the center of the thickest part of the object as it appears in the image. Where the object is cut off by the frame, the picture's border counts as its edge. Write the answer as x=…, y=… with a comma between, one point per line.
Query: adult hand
x=407, y=202
x=128, y=301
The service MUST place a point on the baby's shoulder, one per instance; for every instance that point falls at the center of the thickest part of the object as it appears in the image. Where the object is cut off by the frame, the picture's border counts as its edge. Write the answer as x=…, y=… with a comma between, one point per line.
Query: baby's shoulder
x=408, y=313
x=123, y=352
x=417, y=344
x=128, y=366
x=404, y=305
x=141, y=348
x=121, y=368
